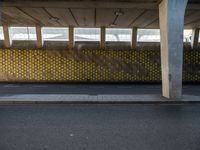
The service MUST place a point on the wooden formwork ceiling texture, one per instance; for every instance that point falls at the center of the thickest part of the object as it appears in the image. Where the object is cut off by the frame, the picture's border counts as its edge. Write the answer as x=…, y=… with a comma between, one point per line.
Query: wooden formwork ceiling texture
x=90, y=13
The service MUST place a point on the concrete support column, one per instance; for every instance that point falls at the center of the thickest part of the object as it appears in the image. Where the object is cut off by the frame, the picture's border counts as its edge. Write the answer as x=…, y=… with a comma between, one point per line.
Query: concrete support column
x=71, y=37
x=7, y=42
x=103, y=38
x=134, y=38
x=195, y=38
x=171, y=14
x=39, y=36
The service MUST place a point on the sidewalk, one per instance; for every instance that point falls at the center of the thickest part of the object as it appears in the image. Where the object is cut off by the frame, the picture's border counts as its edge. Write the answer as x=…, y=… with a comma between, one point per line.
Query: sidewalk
x=61, y=93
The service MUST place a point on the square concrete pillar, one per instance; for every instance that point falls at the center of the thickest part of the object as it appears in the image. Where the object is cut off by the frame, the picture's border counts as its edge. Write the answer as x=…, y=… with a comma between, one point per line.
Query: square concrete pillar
x=39, y=43
x=171, y=17
x=103, y=38
x=195, y=38
x=134, y=38
x=7, y=41
x=71, y=37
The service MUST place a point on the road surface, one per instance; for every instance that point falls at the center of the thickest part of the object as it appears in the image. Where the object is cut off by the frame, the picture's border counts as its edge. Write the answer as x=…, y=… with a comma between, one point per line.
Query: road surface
x=100, y=127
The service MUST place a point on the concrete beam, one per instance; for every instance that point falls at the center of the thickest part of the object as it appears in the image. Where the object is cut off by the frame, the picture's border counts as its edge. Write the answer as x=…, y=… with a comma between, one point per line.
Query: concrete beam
x=79, y=4
x=71, y=37
x=88, y=4
x=134, y=38
x=7, y=42
x=103, y=38
x=171, y=17
x=39, y=36
x=195, y=38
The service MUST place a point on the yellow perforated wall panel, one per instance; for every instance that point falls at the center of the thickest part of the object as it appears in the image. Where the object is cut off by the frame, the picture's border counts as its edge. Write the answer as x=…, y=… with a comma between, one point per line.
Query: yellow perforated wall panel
x=89, y=66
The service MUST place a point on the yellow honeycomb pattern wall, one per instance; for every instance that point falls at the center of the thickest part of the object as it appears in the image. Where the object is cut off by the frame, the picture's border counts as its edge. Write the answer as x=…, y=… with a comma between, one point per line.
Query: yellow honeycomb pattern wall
x=89, y=65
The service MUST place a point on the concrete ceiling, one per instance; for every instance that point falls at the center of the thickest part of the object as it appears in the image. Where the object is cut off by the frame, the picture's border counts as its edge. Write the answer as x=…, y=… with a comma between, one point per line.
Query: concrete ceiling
x=93, y=13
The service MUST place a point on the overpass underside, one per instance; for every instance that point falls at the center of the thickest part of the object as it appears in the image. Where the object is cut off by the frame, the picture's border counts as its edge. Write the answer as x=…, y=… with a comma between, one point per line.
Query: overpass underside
x=170, y=62
x=78, y=75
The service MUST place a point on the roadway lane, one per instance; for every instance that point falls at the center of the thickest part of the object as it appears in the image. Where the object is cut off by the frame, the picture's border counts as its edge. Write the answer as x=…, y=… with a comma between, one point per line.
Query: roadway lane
x=100, y=127
x=90, y=89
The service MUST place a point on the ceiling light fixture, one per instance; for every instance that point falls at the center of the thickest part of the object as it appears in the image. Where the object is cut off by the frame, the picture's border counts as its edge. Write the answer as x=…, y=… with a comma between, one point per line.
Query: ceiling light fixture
x=113, y=25
x=54, y=19
x=119, y=13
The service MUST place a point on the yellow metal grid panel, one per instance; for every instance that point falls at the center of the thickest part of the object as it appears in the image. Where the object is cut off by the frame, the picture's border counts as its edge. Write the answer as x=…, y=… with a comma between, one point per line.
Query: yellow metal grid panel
x=90, y=65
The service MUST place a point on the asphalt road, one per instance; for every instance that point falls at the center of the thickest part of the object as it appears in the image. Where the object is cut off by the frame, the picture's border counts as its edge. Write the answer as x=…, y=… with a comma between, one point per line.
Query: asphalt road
x=100, y=127
x=91, y=89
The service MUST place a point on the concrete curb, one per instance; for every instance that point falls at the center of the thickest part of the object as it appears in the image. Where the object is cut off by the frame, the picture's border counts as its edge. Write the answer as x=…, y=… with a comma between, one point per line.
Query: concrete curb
x=75, y=98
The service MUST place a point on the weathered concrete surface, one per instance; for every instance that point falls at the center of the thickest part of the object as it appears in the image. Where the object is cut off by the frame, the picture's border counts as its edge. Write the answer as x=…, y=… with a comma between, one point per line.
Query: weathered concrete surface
x=195, y=38
x=107, y=127
x=30, y=93
x=39, y=36
x=171, y=14
x=134, y=38
x=85, y=98
x=103, y=38
x=71, y=37
x=7, y=41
